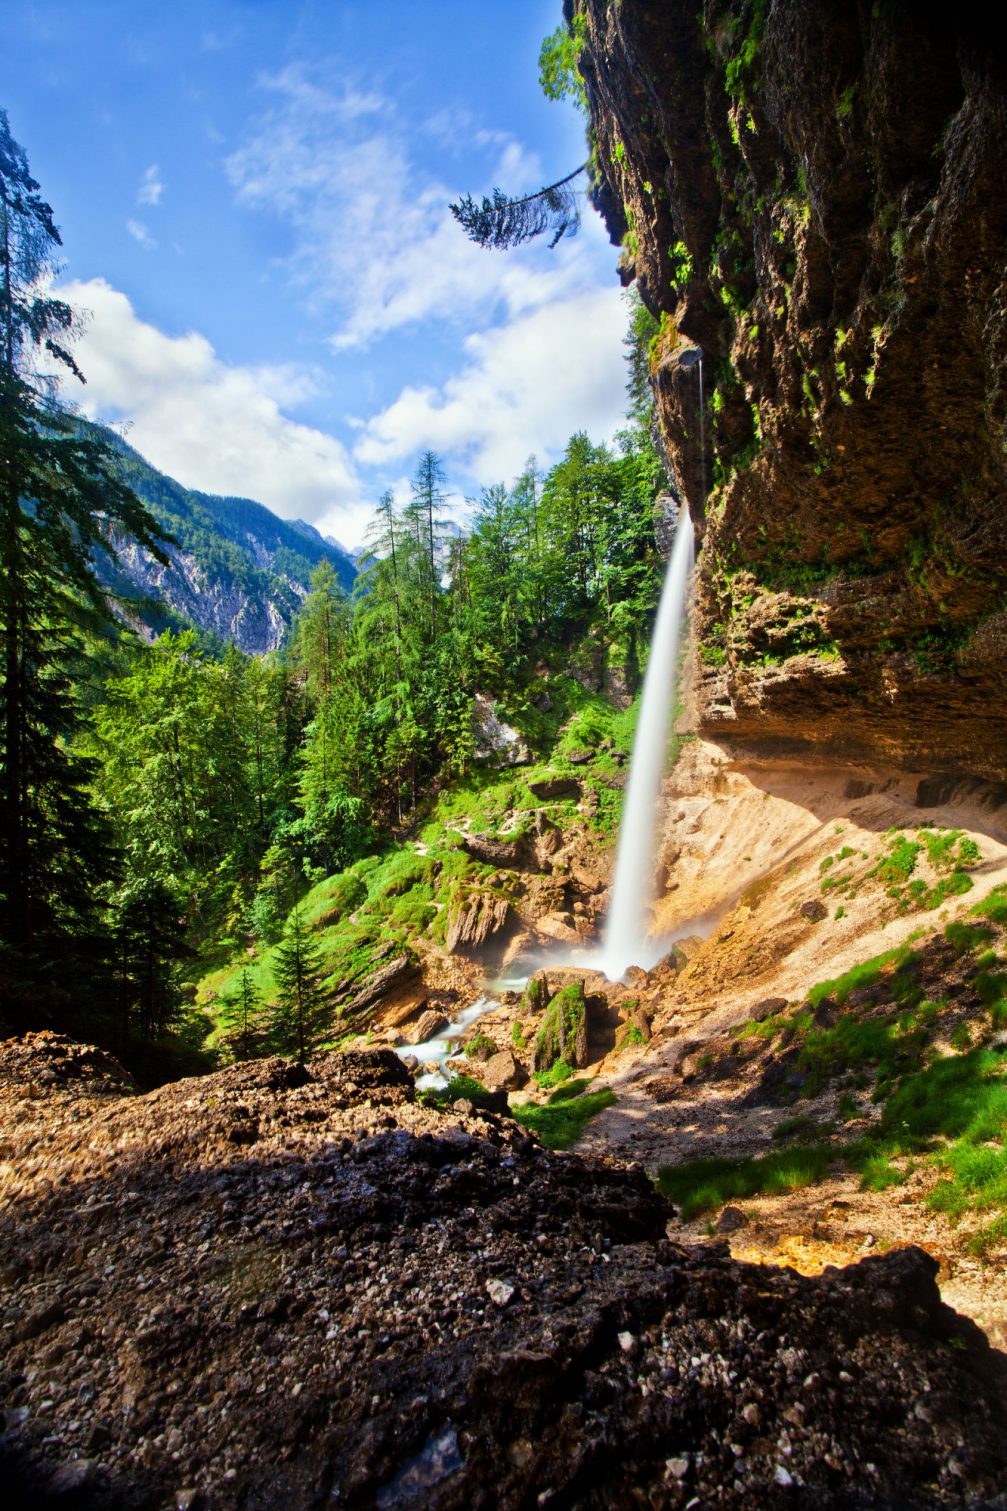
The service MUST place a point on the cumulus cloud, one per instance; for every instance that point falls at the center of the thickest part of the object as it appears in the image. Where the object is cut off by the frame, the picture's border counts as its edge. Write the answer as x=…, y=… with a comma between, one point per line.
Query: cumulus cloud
x=141, y=233
x=213, y=426
x=376, y=243
x=524, y=387
x=151, y=188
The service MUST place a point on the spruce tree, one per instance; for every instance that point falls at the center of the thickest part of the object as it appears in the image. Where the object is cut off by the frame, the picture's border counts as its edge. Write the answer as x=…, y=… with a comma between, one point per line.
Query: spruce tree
x=423, y=513
x=301, y=1013
x=505, y=221
x=240, y=1011
x=60, y=499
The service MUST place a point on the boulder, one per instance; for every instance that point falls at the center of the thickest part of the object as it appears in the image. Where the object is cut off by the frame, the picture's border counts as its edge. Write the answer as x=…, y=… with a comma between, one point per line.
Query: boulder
x=479, y=1046
x=403, y=1005
x=551, y=789
x=587, y=878
x=511, y=854
x=766, y=1008
x=536, y=994
x=563, y=1032
x=559, y=926
x=503, y=1072
x=638, y=1019
x=426, y=1026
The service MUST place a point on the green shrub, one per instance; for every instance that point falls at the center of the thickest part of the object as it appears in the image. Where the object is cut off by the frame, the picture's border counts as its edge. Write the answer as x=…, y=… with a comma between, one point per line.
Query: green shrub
x=460, y=1088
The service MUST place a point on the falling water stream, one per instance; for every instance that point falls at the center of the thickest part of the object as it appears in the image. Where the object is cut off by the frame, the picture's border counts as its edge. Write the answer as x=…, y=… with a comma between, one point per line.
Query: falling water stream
x=626, y=936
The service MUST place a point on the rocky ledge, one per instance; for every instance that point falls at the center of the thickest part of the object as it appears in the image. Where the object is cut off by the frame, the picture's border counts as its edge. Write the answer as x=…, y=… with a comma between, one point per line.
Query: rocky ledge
x=811, y=193
x=289, y=1287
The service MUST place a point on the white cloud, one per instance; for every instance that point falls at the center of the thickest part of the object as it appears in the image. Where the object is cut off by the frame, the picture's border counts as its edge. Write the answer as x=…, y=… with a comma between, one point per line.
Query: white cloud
x=212, y=426
x=525, y=387
x=151, y=188
x=140, y=233
x=375, y=240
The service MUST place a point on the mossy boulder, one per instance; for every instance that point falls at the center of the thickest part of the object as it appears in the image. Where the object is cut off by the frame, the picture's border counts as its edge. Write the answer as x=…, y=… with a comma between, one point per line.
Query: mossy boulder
x=536, y=996
x=563, y=1033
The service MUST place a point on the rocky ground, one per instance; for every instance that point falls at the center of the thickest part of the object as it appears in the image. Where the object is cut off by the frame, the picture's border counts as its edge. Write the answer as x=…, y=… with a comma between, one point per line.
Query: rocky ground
x=767, y=836
x=286, y=1287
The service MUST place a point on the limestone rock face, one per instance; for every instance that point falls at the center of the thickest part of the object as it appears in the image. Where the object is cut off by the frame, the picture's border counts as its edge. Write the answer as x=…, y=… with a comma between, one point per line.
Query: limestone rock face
x=497, y=742
x=813, y=195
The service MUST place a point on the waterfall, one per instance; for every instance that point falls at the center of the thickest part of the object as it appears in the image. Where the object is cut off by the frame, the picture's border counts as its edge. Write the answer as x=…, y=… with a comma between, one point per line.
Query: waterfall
x=626, y=937
x=626, y=941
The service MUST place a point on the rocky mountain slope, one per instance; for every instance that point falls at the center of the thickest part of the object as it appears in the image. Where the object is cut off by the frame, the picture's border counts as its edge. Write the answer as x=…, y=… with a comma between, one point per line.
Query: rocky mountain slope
x=237, y=570
x=811, y=194
x=278, y=1287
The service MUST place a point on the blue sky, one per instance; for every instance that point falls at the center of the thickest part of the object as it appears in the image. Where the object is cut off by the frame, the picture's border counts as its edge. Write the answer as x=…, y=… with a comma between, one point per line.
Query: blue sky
x=253, y=200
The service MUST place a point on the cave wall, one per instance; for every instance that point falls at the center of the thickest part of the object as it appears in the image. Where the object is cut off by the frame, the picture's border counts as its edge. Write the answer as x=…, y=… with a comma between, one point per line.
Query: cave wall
x=813, y=194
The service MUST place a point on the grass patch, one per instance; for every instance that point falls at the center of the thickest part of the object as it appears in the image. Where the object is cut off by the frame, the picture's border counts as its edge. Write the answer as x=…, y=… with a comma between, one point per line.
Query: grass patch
x=558, y=1072
x=703, y=1184
x=570, y=1089
x=993, y=907
x=560, y=1123
x=867, y=973
x=459, y=1088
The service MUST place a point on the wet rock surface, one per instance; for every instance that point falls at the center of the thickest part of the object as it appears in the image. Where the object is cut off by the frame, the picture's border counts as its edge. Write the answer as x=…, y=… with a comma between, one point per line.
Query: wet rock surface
x=294, y=1287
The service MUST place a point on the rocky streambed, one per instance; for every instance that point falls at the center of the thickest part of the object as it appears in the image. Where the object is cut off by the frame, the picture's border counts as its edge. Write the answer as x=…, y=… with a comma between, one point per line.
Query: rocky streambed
x=284, y=1286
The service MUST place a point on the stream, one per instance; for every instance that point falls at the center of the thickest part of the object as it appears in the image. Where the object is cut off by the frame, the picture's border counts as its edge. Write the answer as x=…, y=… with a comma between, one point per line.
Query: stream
x=445, y=1044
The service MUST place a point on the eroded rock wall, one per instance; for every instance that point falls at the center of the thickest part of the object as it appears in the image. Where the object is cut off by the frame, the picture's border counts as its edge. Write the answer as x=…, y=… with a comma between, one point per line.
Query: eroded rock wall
x=813, y=195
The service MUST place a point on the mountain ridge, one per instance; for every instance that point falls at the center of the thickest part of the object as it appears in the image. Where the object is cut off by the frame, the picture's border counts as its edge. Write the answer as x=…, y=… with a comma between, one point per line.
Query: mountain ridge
x=236, y=570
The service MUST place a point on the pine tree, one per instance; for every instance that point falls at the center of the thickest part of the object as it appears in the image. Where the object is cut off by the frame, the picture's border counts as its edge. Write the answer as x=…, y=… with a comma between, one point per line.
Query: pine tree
x=60, y=498
x=301, y=1012
x=503, y=221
